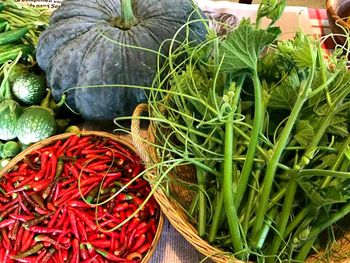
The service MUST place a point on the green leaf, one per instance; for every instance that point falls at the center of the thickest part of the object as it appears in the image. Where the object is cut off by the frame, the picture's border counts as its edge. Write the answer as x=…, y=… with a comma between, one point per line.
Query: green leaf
x=304, y=132
x=339, y=126
x=304, y=53
x=272, y=9
x=285, y=94
x=328, y=160
x=325, y=196
x=243, y=46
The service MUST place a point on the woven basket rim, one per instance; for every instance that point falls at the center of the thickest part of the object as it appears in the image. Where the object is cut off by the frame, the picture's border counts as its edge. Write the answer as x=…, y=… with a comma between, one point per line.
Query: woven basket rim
x=176, y=214
x=119, y=138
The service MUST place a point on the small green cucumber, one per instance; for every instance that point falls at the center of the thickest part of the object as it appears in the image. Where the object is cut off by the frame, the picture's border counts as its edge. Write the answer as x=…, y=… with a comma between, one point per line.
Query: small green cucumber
x=13, y=35
x=26, y=49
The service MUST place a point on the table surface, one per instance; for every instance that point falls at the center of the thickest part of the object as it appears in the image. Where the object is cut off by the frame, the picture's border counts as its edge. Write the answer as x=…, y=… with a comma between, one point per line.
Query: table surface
x=172, y=247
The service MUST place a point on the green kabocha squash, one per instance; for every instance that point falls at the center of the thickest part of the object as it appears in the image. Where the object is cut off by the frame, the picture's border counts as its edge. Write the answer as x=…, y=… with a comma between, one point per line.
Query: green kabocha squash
x=89, y=42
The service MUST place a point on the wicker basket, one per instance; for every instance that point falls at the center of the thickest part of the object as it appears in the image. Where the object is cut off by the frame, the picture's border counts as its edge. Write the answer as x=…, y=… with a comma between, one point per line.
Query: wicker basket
x=119, y=138
x=179, y=219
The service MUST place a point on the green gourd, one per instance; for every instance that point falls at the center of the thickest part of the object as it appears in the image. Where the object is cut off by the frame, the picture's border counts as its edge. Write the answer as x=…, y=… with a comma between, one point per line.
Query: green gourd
x=35, y=124
x=75, y=51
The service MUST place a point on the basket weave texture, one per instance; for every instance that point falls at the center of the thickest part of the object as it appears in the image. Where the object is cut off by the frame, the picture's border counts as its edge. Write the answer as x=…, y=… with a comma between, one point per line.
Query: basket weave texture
x=118, y=138
x=176, y=213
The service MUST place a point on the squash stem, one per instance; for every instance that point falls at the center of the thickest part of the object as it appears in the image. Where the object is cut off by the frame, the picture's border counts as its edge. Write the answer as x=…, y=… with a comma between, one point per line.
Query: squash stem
x=254, y=141
x=127, y=18
x=273, y=163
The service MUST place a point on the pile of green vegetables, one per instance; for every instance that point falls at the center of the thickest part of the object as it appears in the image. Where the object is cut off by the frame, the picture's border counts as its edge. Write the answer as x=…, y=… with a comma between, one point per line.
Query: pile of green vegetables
x=25, y=100
x=266, y=124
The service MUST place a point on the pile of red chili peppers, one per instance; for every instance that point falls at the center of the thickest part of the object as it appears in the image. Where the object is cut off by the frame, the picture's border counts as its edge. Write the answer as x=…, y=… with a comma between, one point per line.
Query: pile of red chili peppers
x=59, y=204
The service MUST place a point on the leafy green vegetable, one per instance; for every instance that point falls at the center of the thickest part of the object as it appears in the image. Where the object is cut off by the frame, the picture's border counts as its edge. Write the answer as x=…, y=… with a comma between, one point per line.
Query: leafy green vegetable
x=265, y=122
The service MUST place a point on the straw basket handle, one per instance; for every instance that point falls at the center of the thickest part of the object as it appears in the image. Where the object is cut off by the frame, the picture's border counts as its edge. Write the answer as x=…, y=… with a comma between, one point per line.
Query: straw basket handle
x=136, y=136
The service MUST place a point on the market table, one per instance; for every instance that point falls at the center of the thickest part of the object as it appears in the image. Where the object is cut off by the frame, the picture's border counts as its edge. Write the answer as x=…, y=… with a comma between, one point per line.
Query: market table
x=172, y=246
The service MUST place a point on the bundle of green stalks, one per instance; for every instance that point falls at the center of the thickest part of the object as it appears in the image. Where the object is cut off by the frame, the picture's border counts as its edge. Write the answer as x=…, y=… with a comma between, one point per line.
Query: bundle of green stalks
x=266, y=124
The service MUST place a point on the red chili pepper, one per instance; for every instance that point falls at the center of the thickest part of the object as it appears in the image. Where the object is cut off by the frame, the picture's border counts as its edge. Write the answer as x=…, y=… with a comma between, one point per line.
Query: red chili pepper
x=75, y=172
x=48, y=255
x=104, y=243
x=62, y=218
x=134, y=256
x=141, y=229
x=90, y=260
x=140, y=241
x=99, y=166
x=53, y=166
x=26, y=240
x=131, y=238
x=121, y=206
x=74, y=195
x=42, y=254
x=34, y=249
x=7, y=258
x=73, y=223
x=2, y=254
x=54, y=218
x=30, y=259
x=4, y=199
x=81, y=230
x=14, y=231
x=152, y=225
x=123, y=197
x=59, y=168
x=110, y=256
x=122, y=150
x=80, y=145
x=82, y=167
x=70, y=141
x=138, y=184
x=17, y=178
x=37, y=198
x=29, y=200
x=86, y=219
x=25, y=209
x=5, y=240
x=47, y=191
x=44, y=158
x=144, y=248
x=122, y=236
x=18, y=239
x=93, y=152
x=40, y=185
x=7, y=222
x=79, y=204
x=44, y=238
x=133, y=224
x=8, y=210
x=83, y=251
x=109, y=181
x=44, y=230
x=55, y=193
x=36, y=221
x=90, y=249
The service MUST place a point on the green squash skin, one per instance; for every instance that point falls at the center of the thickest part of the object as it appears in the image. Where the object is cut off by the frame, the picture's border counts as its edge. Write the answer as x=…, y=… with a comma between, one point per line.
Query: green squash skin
x=10, y=112
x=35, y=124
x=30, y=88
x=73, y=53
